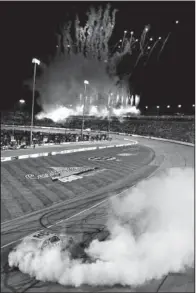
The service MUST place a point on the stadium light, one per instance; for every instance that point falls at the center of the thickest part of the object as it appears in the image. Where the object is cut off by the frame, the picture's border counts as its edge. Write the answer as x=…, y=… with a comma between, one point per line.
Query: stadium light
x=21, y=101
x=125, y=32
x=159, y=38
x=168, y=106
x=177, y=21
x=158, y=107
x=85, y=84
x=146, y=107
x=179, y=106
x=36, y=62
x=146, y=29
x=193, y=105
x=151, y=39
x=132, y=32
x=136, y=40
x=148, y=47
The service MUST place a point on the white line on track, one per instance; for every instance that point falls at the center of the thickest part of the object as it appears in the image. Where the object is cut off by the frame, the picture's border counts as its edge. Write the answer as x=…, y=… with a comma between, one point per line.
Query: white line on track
x=67, y=219
x=81, y=212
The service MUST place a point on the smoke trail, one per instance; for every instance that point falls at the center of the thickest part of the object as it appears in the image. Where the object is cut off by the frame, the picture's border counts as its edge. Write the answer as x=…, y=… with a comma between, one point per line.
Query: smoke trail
x=137, y=100
x=151, y=234
x=131, y=100
x=163, y=46
x=83, y=53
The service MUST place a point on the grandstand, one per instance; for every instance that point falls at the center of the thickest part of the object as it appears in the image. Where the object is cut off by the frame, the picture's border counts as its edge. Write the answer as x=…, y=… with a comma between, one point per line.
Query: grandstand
x=170, y=127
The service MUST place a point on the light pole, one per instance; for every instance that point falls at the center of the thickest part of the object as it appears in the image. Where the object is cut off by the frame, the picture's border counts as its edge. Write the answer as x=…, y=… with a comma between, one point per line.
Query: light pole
x=85, y=83
x=21, y=102
x=15, y=109
x=158, y=109
x=109, y=101
x=108, y=122
x=36, y=62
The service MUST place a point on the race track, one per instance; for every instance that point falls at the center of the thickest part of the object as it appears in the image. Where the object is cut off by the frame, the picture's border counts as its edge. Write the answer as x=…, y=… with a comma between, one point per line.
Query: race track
x=81, y=205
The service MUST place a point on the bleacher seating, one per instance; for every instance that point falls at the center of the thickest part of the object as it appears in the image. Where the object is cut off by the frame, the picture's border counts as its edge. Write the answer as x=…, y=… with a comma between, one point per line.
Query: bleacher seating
x=171, y=127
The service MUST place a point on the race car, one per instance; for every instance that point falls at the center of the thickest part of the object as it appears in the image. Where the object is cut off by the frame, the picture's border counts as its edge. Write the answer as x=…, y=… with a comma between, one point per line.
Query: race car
x=45, y=239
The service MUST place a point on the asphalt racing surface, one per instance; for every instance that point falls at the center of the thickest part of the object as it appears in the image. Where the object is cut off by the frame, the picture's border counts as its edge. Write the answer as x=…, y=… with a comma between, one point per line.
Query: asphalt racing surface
x=31, y=202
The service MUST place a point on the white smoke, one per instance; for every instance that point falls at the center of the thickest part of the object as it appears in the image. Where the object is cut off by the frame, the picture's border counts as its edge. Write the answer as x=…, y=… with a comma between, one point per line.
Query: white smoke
x=151, y=234
x=61, y=113
x=125, y=110
x=87, y=55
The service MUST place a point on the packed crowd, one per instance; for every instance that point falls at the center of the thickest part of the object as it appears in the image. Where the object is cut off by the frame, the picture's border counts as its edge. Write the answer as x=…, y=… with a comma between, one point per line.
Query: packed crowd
x=181, y=130
x=169, y=127
x=21, y=139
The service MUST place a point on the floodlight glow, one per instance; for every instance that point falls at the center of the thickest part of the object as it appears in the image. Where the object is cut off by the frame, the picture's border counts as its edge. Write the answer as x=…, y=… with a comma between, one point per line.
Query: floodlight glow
x=21, y=101
x=34, y=60
x=168, y=106
x=86, y=82
x=158, y=107
x=132, y=32
x=159, y=38
x=193, y=105
x=151, y=39
x=125, y=32
x=146, y=107
x=179, y=106
x=136, y=40
x=177, y=21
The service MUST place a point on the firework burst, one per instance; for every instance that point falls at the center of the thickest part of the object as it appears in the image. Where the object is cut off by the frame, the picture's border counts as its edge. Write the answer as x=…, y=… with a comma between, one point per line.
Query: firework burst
x=83, y=53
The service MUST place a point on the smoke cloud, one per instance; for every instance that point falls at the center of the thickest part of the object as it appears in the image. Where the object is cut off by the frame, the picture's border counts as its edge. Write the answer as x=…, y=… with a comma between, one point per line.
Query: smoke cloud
x=151, y=234
x=84, y=53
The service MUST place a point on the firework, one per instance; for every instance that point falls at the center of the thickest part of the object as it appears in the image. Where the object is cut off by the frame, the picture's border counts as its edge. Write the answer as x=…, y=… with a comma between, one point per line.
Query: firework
x=86, y=55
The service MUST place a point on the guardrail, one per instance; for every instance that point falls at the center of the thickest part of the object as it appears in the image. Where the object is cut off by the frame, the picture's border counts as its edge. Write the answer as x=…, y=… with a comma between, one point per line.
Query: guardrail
x=166, y=140
x=69, y=151
x=4, y=159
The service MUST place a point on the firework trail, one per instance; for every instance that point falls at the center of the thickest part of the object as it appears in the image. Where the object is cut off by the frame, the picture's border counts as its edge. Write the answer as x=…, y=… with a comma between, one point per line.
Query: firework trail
x=86, y=55
x=152, y=49
x=164, y=43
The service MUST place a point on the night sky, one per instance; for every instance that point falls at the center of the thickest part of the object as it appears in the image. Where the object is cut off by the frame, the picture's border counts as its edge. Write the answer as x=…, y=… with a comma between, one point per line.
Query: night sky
x=28, y=30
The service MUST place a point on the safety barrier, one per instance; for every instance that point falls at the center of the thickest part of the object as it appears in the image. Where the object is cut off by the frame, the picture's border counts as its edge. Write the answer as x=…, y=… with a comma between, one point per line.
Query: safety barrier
x=166, y=140
x=4, y=159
